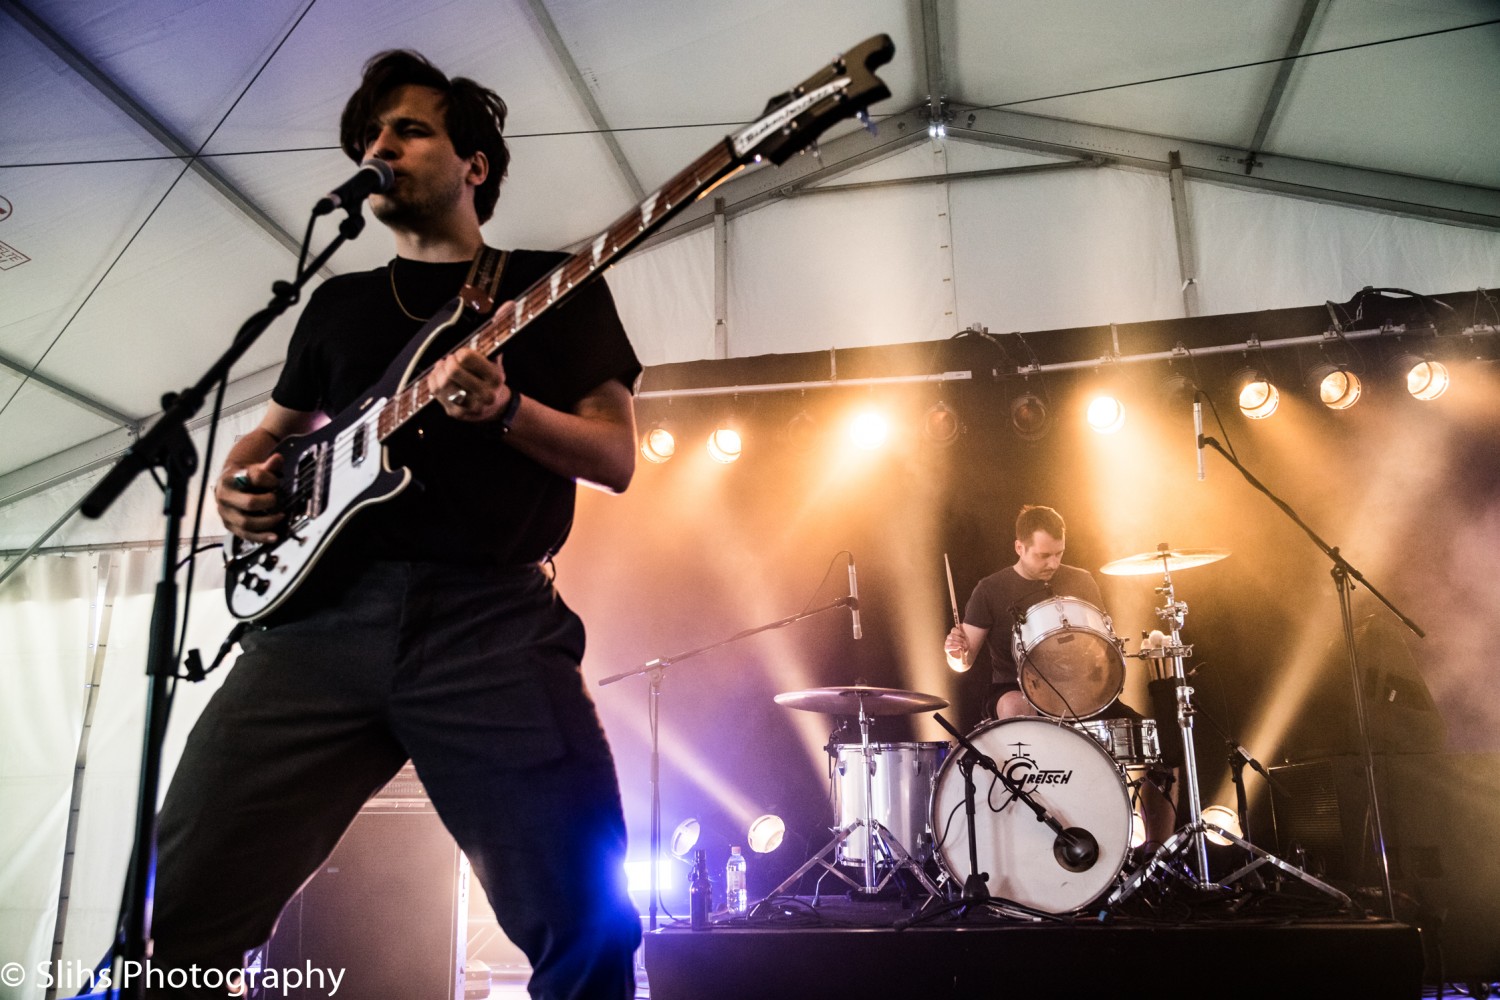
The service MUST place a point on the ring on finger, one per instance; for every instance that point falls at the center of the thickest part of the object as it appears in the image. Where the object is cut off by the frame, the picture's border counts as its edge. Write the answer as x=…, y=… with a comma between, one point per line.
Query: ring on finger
x=458, y=396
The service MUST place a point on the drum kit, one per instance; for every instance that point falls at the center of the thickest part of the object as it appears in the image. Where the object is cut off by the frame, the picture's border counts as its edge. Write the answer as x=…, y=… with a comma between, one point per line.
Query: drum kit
x=903, y=806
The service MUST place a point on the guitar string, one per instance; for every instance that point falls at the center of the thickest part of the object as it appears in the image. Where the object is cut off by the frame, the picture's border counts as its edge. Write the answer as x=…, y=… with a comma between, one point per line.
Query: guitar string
x=618, y=238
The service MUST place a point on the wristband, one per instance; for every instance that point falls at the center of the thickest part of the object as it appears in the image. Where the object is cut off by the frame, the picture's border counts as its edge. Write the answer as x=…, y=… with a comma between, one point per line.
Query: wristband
x=508, y=415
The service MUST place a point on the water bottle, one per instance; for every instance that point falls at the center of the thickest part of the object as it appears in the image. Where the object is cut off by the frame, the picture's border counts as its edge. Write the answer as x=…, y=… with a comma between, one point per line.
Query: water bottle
x=736, y=895
x=700, y=892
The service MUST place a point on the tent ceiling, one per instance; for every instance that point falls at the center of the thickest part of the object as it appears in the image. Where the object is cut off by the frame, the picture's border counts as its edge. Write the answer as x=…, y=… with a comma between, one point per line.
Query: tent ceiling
x=124, y=268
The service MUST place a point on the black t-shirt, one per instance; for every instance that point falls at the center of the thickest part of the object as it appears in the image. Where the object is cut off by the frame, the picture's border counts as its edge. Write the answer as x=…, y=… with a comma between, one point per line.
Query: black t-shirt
x=475, y=500
x=997, y=597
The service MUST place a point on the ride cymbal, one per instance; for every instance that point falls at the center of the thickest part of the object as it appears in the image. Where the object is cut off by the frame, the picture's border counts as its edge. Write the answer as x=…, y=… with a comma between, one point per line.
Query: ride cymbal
x=847, y=700
x=1162, y=560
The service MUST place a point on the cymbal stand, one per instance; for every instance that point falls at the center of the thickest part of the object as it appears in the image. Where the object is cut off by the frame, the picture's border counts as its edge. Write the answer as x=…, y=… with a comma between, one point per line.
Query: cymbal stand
x=1173, y=613
x=1192, y=838
x=877, y=835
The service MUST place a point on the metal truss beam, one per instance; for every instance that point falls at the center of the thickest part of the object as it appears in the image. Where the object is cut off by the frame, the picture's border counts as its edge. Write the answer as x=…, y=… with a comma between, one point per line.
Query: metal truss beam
x=933, y=64
x=1283, y=74
x=138, y=113
x=89, y=403
x=56, y=470
x=1418, y=197
x=581, y=88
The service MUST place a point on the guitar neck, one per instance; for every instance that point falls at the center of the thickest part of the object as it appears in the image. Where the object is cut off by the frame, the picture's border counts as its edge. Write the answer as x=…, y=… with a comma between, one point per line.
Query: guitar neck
x=561, y=282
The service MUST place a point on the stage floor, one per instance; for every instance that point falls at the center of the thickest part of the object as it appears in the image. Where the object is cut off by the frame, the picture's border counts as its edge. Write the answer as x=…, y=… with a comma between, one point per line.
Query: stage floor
x=853, y=950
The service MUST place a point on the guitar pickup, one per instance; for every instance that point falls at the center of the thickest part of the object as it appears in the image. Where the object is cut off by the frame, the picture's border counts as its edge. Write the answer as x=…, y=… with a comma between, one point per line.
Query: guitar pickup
x=357, y=444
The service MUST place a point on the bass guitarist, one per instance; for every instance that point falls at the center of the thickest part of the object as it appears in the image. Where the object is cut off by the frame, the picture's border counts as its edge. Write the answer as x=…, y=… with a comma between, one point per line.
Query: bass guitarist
x=431, y=630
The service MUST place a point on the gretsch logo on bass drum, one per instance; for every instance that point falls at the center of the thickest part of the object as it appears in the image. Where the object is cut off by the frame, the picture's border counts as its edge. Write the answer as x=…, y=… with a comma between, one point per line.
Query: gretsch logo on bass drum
x=1022, y=769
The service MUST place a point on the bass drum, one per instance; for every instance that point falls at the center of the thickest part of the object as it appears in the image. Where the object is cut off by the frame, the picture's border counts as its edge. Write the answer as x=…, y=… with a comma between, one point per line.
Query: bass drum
x=1072, y=777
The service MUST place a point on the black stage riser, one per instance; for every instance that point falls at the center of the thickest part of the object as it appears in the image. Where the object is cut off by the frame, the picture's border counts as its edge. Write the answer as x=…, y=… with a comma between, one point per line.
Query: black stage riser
x=1036, y=961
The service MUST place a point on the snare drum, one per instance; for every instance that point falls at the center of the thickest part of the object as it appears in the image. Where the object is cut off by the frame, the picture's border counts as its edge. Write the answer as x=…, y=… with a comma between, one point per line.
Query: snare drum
x=1131, y=742
x=901, y=777
x=1068, y=661
x=1071, y=777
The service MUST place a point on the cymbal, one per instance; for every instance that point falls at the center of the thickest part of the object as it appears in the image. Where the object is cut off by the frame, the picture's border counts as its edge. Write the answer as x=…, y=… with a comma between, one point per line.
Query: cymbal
x=1149, y=563
x=847, y=700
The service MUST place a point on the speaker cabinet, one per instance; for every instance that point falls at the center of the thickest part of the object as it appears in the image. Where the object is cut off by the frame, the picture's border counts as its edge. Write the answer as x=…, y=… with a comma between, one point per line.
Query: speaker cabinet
x=389, y=907
x=1441, y=817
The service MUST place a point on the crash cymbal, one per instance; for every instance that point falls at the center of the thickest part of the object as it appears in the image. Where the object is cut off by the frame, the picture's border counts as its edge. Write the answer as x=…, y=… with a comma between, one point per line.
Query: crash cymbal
x=1162, y=560
x=847, y=700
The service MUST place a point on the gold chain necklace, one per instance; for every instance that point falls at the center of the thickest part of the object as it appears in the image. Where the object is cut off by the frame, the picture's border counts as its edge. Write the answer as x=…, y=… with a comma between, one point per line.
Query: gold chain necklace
x=397, y=296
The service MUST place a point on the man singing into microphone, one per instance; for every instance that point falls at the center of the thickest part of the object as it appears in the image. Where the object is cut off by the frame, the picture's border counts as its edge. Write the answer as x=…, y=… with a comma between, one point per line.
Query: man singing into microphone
x=431, y=630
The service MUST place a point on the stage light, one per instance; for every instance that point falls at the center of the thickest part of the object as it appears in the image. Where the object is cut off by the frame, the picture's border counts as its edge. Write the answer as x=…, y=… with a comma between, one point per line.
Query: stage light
x=638, y=877
x=1338, y=386
x=657, y=444
x=869, y=430
x=684, y=838
x=725, y=444
x=1257, y=395
x=940, y=424
x=1225, y=818
x=1029, y=417
x=1106, y=414
x=801, y=431
x=1425, y=379
x=766, y=833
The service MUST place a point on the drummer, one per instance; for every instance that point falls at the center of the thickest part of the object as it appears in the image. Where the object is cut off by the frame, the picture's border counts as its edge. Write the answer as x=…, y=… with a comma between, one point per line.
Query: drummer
x=989, y=619
x=1038, y=574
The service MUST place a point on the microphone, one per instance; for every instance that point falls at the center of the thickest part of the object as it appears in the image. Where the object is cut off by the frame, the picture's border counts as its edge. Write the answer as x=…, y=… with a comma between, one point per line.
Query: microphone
x=374, y=177
x=1076, y=849
x=854, y=598
x=1198, y=430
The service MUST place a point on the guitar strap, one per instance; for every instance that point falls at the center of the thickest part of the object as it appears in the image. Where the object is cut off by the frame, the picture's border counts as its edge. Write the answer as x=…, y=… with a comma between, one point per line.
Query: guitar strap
x=483, y=282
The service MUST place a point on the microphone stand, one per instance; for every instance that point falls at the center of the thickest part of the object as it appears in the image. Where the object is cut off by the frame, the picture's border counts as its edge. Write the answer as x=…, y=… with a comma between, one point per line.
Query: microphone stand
x=655, y=670
x=1344, y=577
x=167, y=446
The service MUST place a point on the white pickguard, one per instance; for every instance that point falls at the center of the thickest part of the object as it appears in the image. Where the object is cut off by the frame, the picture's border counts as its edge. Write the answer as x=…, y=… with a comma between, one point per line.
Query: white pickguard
x=311, y=535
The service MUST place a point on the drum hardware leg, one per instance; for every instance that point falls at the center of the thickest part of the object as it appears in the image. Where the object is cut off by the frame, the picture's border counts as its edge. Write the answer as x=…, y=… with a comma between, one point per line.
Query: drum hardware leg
x=1261, y=857
x=904, y=861
x=869, y=817
x=897, y=859
x=839, y=835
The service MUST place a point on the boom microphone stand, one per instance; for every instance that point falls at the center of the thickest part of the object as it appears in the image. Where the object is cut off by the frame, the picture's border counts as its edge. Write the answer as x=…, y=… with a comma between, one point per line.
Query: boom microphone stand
x=656, y=670
x=1344, y=577
x=167, y=446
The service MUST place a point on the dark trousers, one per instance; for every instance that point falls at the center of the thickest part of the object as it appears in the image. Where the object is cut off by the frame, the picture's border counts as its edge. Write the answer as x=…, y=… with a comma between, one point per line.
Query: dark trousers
x=473, y=674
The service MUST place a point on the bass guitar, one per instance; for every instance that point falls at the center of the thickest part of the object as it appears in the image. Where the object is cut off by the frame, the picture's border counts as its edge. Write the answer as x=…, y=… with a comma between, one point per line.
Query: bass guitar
x=329, y=475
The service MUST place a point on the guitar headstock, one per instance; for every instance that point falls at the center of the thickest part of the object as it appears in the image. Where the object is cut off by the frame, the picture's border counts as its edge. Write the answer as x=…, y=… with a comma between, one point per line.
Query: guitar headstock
x=794, y=120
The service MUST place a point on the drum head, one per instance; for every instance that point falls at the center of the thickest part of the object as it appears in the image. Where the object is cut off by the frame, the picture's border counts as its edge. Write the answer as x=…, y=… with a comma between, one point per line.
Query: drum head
x=1067, y=661
x=1072, y=778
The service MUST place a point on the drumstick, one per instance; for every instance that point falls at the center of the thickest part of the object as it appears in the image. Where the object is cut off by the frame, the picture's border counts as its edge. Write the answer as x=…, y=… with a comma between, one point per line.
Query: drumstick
x=952, y=597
